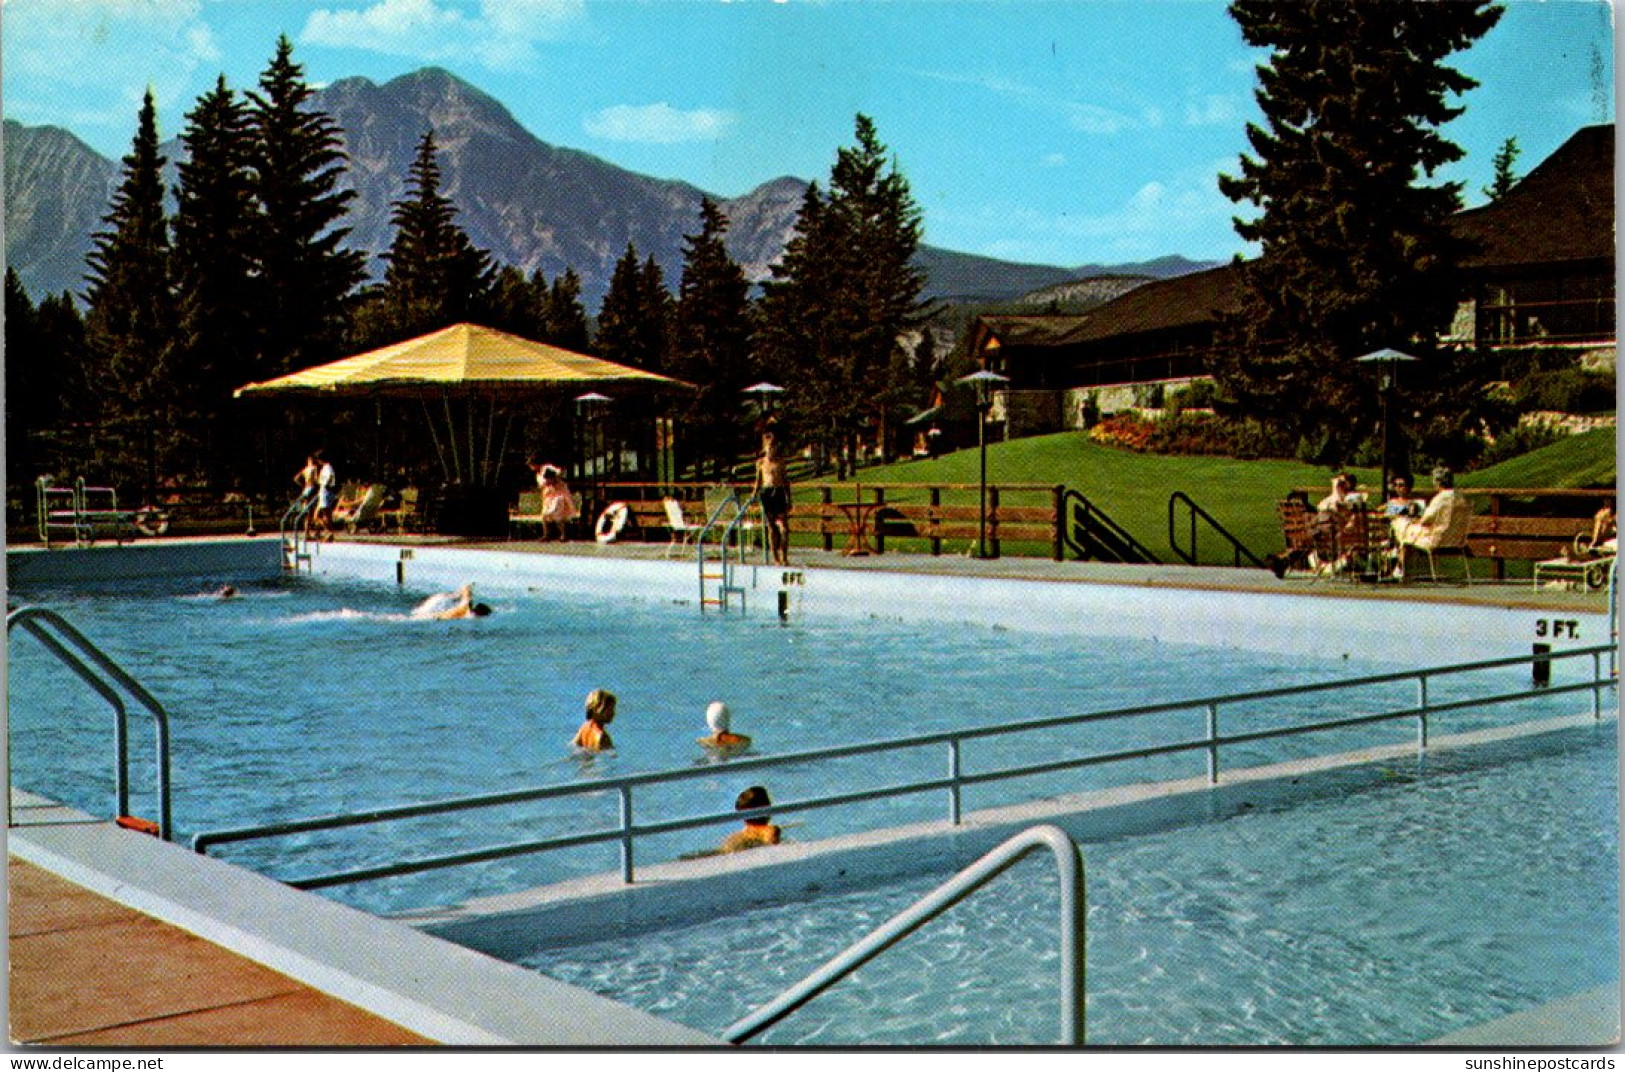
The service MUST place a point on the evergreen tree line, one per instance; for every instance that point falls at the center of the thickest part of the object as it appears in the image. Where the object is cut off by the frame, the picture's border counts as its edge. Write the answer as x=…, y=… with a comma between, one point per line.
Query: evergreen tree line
x=251, y=279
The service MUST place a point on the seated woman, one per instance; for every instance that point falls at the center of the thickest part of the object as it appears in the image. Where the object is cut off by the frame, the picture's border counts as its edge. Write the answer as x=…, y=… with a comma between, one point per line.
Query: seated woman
x=593, y=736
x=1401, y=503
x=558, y=505
x=721, y=740
x=1442, y=524
x=1604, y=538
x=756, y=832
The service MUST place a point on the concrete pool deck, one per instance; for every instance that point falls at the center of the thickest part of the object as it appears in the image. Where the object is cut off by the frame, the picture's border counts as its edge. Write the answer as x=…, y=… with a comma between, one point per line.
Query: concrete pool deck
x=305, y=965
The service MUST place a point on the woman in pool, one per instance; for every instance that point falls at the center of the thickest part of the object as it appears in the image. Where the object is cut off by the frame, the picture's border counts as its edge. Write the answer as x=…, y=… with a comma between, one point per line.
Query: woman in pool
x=756, y=832
x=593, y=736
x=721, y=740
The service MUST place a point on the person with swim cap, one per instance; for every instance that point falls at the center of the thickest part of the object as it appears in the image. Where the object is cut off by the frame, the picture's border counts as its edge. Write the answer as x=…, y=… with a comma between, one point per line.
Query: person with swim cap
x=593, y=736
x=721, y=739
x=756, y=832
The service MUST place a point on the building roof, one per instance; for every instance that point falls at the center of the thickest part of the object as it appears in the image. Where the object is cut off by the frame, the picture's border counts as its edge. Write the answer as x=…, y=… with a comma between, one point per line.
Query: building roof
x=1164, y=304
x=1562, y=211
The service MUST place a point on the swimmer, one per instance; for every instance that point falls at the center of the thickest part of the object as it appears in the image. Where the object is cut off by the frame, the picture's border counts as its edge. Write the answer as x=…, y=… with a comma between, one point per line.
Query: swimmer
x=721, y=740
x=593, y=736
x=756, y=832
x=445, y=606
x=226, y=591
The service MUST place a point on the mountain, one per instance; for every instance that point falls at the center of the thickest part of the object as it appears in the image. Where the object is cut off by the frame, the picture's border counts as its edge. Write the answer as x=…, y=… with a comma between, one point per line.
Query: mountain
x=57, y=189
x=530, y=204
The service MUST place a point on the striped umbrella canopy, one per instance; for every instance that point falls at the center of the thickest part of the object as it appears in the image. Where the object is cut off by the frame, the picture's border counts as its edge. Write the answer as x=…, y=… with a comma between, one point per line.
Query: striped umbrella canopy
x=465, y=363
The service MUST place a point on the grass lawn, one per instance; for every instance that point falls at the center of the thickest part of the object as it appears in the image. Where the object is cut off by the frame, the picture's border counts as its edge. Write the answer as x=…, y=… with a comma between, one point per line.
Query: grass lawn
x=1133, y=489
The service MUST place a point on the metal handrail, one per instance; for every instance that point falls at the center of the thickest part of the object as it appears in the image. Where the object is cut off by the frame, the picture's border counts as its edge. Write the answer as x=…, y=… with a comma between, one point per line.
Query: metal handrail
x=953, y=782
x=39, y=623
x=1128, y=549
x=731, y=536
x=292, y=530
x=1074, y=919
x=1196, y=512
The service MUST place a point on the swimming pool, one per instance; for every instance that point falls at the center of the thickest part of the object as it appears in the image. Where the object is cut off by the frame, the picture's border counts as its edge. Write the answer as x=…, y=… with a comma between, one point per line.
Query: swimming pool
x=306, y=698
x=1443, y=894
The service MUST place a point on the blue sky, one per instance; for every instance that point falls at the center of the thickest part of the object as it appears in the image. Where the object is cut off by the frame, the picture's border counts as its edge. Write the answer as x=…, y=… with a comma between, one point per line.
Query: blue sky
x=1053, y=131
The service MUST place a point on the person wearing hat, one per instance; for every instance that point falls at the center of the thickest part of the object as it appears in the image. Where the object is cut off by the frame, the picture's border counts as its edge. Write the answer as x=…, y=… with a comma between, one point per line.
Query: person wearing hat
x=721, y=739
x=593, y=736
x=756, y=832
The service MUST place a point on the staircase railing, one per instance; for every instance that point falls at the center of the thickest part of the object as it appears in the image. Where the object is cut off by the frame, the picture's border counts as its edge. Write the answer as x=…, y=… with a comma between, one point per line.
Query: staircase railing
x=1074, y=915
x=1089, y=533
x=295, y=542
x=1196, y=513
x=108, y=679
x=726, y=524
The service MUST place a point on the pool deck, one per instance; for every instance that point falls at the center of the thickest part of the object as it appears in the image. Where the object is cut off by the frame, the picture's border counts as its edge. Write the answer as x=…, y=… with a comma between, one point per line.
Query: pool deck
x=119, y=940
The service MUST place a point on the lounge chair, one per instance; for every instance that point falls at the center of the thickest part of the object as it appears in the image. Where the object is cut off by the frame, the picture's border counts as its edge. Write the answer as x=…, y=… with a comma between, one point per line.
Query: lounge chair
x=365, y=514
x=683, y=531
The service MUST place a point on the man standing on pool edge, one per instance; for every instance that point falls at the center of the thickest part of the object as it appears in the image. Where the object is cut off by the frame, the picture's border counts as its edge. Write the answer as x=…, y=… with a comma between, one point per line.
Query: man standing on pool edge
x=773, y=486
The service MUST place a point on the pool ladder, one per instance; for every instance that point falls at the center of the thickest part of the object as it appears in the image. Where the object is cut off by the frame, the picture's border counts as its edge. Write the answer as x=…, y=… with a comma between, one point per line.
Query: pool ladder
x=1069, y=865
x=295, y=540
x=113, y=684
x=720, y=551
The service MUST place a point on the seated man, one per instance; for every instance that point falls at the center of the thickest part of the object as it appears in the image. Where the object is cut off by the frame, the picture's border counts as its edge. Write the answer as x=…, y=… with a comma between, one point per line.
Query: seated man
x=1442, y=524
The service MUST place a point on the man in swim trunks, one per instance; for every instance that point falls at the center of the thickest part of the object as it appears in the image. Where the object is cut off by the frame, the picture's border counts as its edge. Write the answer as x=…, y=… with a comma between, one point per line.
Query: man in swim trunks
x=773, y=486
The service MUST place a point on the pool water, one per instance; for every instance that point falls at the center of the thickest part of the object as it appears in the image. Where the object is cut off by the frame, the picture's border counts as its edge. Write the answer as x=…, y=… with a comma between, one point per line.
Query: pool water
x=1441, y=896
x=301, y=699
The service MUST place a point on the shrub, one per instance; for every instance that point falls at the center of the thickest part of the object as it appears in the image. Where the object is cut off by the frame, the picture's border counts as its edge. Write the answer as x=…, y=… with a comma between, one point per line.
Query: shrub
x=1128, y=430
x=1570, y=390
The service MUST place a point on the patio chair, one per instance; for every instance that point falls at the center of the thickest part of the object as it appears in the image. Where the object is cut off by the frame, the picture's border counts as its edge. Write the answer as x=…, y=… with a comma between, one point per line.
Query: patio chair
x=528, y=511
x=405, y=515
x=1298, y=531
x=365, y=514
x=683, y=531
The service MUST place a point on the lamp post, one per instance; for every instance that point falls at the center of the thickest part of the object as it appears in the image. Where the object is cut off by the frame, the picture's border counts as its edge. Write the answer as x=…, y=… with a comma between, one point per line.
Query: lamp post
x=587, y=412
x=1387, y=362
x=984, y=381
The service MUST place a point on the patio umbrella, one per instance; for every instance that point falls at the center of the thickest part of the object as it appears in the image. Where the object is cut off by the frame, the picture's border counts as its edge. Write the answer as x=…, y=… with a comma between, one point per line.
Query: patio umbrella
x=467, y=362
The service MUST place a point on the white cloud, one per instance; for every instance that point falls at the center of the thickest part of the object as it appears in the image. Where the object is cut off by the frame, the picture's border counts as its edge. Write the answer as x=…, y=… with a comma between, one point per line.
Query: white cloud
x=502, y=35
x=1213, y=110
x=658, y=124
x=103, y=57
x=1052, y=160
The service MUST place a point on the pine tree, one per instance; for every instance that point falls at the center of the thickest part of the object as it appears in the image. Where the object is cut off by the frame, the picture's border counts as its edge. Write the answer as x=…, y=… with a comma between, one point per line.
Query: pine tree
x=621, y=313
x=219, y=292
x=658, y=310
x=1505, y=178
x=566, y=317
x=711, y=341
x=31, y=404
x=436, y=277
x=307, y=273
x=131, y=323
x=1355, y=249
x=845, y=294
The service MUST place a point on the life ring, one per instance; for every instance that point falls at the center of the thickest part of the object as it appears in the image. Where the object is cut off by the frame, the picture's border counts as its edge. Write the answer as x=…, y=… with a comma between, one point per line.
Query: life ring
x=612, y=521
x=150, y=521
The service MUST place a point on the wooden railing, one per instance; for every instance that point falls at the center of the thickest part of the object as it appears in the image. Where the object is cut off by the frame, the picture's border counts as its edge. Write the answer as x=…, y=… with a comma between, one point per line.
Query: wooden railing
x=931, y=518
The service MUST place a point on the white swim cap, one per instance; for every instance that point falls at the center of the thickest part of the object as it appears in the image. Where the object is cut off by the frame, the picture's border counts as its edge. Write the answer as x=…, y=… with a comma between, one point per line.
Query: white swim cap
x=716, y=716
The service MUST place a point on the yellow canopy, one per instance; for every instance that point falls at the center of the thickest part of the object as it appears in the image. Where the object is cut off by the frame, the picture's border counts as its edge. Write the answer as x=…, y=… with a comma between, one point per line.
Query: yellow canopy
x=461, y=356
x=469, y=364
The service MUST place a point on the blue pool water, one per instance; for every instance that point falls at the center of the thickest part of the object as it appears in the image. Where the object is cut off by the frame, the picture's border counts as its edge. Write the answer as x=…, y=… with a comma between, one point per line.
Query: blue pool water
x=303, y=699
x=1440, y=896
